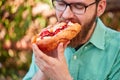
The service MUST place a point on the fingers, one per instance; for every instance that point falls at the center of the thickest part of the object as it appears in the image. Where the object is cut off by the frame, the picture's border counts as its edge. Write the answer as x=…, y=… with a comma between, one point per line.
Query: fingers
x=66, y=44
x=60, y=50
x=40, y=63
x=39, y=54
x=43, y=61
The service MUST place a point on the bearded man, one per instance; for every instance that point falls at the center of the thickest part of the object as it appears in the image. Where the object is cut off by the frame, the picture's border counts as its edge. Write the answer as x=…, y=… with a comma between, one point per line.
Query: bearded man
x=94, y=54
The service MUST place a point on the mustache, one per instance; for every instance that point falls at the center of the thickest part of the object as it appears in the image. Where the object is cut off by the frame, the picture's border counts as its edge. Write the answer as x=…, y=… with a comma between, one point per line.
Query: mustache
x=62, y=19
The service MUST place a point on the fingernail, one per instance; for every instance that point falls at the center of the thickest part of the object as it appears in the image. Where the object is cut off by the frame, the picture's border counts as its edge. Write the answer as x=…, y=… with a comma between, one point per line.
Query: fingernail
x=33, y=45
x=61, y=44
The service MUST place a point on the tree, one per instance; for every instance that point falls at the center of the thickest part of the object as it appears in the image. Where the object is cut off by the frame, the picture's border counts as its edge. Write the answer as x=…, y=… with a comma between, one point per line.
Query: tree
x=20, y=20
x=113, y=5
x=111, y=17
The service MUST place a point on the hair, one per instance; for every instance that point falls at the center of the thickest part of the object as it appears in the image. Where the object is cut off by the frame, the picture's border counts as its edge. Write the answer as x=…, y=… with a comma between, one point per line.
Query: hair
x=97, y=0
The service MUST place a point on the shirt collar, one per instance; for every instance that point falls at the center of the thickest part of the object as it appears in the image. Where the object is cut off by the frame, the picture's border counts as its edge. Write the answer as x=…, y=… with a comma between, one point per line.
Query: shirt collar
x=98, y=37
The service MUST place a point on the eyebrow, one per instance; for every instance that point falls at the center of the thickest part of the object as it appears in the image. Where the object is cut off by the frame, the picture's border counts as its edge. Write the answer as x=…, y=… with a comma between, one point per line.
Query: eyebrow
x=81, y=3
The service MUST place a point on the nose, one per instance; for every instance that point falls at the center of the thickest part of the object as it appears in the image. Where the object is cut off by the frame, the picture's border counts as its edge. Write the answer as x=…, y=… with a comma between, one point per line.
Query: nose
x=68, y=14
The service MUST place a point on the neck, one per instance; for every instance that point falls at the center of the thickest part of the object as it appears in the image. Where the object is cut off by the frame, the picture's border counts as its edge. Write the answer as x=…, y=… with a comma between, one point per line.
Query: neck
x=82, y=37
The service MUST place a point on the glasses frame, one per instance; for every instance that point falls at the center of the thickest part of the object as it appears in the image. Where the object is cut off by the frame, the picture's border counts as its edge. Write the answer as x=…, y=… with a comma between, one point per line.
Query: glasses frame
x=69, y=4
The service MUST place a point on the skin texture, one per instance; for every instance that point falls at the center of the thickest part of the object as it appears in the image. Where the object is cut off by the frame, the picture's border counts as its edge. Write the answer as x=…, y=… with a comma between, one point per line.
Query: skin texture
x=54, y=66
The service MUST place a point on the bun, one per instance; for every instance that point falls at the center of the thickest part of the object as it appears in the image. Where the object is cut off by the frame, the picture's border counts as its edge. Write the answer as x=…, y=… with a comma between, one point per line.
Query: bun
x=48, y=39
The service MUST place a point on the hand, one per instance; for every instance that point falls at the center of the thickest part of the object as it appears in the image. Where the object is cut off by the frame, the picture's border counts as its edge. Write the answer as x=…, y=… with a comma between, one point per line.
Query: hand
x=40, y=76
x=54, y=67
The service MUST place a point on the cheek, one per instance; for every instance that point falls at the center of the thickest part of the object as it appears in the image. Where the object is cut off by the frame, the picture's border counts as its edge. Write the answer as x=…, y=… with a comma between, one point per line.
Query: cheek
x=82, y=19
x=58, y=15
x=86, y=18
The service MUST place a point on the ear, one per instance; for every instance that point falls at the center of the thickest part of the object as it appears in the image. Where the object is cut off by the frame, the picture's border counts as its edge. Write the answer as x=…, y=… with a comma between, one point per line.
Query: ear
x=101, y=7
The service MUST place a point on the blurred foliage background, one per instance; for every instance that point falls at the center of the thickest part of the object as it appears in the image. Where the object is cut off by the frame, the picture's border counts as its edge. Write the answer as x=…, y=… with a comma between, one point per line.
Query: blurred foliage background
x=19, y=21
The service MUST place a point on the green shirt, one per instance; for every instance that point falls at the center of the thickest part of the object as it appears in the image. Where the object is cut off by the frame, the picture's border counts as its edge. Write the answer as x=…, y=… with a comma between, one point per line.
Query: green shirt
x=98, y=59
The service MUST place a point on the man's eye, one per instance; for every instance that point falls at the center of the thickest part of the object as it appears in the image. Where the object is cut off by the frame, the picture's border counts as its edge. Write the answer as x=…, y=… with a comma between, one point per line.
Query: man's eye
x=78, y=6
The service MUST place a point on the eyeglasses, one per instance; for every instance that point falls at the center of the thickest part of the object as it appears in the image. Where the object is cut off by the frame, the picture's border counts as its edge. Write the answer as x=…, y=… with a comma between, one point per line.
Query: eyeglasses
x=77, y=8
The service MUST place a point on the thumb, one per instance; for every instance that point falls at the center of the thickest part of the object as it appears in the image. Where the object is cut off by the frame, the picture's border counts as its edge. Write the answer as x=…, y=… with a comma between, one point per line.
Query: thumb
x=61, y=49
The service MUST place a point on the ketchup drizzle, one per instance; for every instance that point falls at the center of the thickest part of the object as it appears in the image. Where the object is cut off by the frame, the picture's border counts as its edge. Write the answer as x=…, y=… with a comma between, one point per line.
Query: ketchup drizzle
x=48, y=33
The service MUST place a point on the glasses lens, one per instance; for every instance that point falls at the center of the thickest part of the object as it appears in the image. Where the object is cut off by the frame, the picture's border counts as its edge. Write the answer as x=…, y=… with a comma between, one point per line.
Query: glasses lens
x=78, y=8
x=59, y=5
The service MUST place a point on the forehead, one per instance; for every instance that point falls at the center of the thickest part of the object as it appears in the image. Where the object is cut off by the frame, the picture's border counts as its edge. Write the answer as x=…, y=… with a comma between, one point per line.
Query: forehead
x=75, y=1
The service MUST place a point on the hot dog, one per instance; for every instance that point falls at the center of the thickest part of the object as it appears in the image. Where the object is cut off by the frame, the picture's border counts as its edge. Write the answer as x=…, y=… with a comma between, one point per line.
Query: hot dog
x=49, y=38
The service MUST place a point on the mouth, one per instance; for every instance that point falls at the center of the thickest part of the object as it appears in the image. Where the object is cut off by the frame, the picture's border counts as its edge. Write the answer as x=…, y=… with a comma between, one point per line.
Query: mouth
x=68, y=20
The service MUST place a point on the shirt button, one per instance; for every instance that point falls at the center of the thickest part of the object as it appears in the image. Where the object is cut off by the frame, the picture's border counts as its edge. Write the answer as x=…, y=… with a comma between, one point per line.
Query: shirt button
x=85, y=47
x=75, y=57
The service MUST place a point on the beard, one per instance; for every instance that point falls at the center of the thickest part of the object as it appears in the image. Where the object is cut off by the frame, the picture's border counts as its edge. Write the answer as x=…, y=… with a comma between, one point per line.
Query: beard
x=77, y=41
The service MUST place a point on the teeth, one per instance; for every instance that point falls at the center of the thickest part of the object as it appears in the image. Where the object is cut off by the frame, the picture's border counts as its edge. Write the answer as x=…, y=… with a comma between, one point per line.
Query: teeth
x=70, y=23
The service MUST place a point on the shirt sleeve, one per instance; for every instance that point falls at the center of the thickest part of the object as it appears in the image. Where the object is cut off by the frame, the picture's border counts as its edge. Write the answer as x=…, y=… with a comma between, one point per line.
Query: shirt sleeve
x=32, y=71
x=115, y=71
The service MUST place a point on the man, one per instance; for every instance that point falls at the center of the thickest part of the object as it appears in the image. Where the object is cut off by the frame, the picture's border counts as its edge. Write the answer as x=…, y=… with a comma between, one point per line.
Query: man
x=93, y=55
